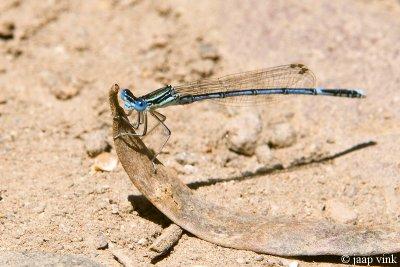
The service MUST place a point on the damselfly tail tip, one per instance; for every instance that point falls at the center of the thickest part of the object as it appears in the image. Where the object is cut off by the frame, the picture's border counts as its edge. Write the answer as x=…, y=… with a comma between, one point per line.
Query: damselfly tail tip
x=360, y=93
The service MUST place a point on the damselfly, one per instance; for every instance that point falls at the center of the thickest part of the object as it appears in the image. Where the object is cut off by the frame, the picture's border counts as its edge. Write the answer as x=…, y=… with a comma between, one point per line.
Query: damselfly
x=249, y=88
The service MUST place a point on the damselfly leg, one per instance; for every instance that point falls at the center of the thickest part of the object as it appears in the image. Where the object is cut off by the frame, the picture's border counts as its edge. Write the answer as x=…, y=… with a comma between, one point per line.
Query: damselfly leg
x=142, y=119
x=139, y=119
x=160, y=120
x=144, y=122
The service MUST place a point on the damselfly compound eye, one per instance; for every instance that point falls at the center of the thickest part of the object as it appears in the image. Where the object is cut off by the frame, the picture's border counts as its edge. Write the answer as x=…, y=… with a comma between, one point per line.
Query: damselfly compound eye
x=126, y=95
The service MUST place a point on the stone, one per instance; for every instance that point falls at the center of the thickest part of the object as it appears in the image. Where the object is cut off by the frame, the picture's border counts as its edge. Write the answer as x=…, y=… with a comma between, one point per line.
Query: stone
x=11, y=258
x=101, y=189
x=203, y=67
x=124, y=257
x=242, y=133
x=259, y=258
x=96, y=143
x=143, y=241
x=7, y=30
x=189, y=169
x=264, y=154
x=40, y=208
x=126, y=207
x=114, y=209
x=242, y=261
x=163, y=8
x=105, y=162
x=61, y=85
x=159, y=41
x=3, y=99
x=100, y=242
x=65, y=93
x=185, y=158
x=283, y=135
x=208, y=51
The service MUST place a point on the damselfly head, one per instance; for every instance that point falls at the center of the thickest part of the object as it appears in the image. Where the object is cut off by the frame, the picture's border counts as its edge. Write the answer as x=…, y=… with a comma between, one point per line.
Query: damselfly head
x=131, y=102
x=126, y=95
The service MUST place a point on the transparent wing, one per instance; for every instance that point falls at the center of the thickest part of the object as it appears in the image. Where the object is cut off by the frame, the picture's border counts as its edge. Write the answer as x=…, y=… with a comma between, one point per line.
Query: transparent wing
x=287, y=76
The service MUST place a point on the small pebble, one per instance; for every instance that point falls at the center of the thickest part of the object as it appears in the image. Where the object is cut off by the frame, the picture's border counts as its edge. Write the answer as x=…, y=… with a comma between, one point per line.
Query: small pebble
x=19, y=233
x=100, y=241
x=62, y=86
x=126, y=3
x=242, y=133
x=103, y=204
x=143, y=241
x=340, y=212
x=264, y=154
x=159, y=41
x=101, y=189
x=350, y=190
x=185, y=158
x=126, y=207
x=65, y=93
x=189, y=169
x=241, y=260
x=293, y=264
x=114, y=209
x=65, y=228
x=283, y=135
x=124, y=257
x=259, y=258
x=7, y=30
x=96, y=143
x=208, y=51
x=163, y=9
x=105, y=162
x=40, y=208
x=203, y=67
x=3, y=99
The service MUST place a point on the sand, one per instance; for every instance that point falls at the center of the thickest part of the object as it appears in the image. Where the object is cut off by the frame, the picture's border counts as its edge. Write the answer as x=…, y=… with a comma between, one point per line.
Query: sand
x=59, y=58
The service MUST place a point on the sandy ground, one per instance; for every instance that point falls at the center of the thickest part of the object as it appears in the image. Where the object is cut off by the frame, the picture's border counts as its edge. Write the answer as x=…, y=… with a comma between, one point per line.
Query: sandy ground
x=59, y=58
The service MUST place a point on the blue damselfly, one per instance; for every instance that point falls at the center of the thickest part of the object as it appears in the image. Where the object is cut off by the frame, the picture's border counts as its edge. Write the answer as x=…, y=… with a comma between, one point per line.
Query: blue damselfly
x=248, y=88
